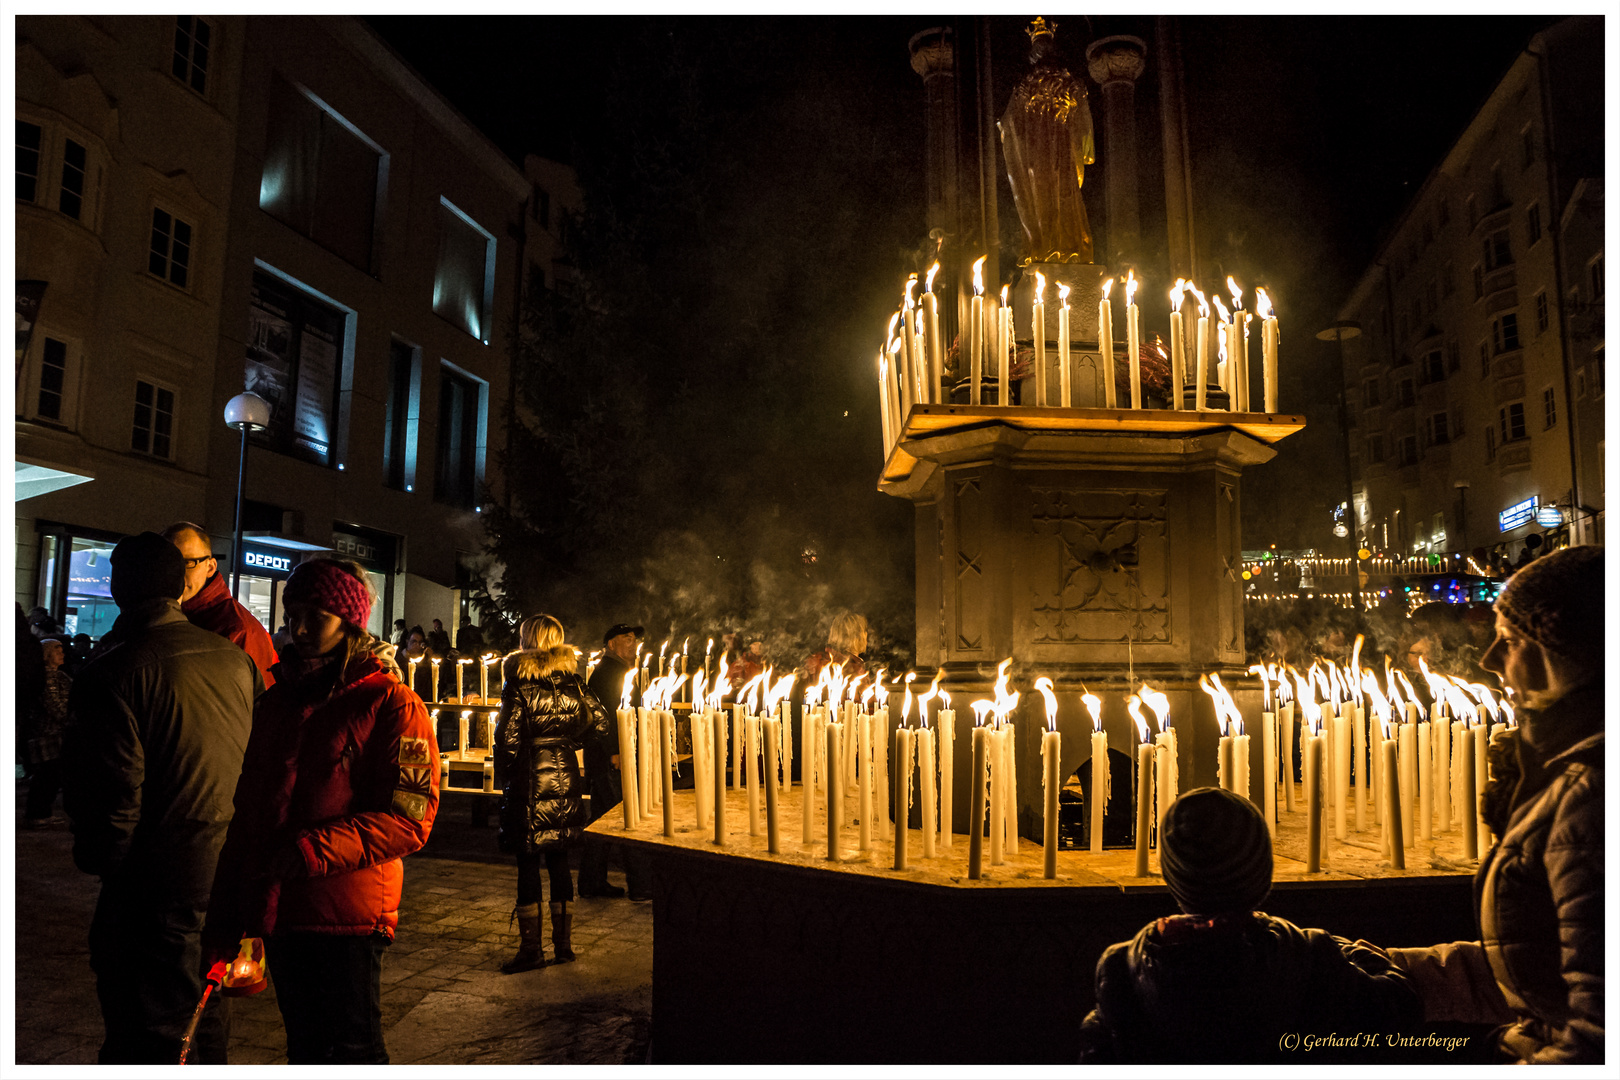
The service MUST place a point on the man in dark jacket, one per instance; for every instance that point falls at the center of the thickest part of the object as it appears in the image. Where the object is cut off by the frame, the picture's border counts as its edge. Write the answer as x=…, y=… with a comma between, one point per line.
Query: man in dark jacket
x=469, y=639
x=208, y=603
x=1225, y=983
x=1538, y=966
x=157, y=730
x=602, y=769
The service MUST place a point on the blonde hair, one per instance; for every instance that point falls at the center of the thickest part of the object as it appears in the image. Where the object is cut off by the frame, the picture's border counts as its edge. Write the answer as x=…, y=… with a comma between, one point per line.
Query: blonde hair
x=848, y=633
x=540, y=632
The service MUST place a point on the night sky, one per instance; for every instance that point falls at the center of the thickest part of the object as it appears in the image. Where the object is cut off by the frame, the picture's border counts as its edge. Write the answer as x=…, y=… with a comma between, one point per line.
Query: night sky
x=1307, y=136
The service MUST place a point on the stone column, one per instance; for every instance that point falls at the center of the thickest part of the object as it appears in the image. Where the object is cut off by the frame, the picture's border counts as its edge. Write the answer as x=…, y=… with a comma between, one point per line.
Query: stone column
x=1115, y=64
x=933, y=56
x=1177, y=169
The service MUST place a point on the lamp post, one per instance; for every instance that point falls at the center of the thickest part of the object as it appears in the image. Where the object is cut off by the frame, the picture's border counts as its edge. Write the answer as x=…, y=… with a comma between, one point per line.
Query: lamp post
x=246, y=413
x=1341, y=332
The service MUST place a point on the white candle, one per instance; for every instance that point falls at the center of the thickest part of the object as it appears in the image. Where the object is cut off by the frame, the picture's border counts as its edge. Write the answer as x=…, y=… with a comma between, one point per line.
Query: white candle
x=1133, y=338
x=998, y=796
x=947, y=773
x=1340, y=729
x=1105, y=344
x=1313, y=804
x=737, y=743
x=1065, y=379
x=1038, y=332
x=1240, y=766
x=883, y=404
x=1470, y=822
x=462, y=734
x=880, y=772
x=1223, y=763
x=666, y=745
x=976, y=333
x=976, y=790
x=835, y=789
x=1268, y=770
x=1099, y=787
x=1144, y=805
x=646, y=761
x=925, y=777
x=863, y=747
x=1287, y=733
x=1459, y=799
x=1178, y=351
x=1425, y=781
x=412, y=666
x=1479, y=740
x=1240, y=321
x=1009, y=815
x=750, y=745
x=1004, y=340
x=1358, y=742
x=1165, y=782
x=773, y=739
x=461, y=678
x=1393, y=805
x=627, y=767
x=436, y=678
x=936, y=347
x=1268, y=347
x=1051, y=760
x=1442, y=768
x=702, y=759
x=902, y=795
x=807, y=768
x=719, y=738
x=483, y=680
x=1407, y=761
x=910, y=378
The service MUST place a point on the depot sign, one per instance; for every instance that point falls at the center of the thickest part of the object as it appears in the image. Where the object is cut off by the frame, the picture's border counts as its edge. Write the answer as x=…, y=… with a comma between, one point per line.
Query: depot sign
x=267, y=562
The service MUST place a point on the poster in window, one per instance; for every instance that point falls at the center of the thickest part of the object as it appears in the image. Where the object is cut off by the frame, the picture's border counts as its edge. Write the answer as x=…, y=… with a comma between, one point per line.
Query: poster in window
x=269, y=355
x=317, y=372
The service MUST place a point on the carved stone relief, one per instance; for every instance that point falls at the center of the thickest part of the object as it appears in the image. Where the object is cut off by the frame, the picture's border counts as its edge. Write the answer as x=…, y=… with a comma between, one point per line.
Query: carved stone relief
x=972, y=534
x=1099, y=565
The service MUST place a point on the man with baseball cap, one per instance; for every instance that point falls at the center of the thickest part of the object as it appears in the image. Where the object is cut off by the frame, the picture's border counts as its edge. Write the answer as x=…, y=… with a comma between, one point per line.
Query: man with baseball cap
x=607, y=682
x=158, y=726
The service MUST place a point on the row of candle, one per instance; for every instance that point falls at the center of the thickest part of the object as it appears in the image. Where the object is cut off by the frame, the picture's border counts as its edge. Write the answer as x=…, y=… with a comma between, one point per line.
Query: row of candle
x=484, y=664
x=911, y=363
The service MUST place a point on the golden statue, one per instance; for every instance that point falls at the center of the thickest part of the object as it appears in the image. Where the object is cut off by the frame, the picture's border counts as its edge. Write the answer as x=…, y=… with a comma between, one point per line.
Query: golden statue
x=1047, y=141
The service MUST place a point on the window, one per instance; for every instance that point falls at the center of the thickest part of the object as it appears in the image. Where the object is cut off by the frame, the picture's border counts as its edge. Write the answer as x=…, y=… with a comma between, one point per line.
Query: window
x=1580, y=384
x=1497, y=251
x=1541, y=312
x=1406, y=450
x=1433, y=367
x=463, y=286
x=293, y=355
x=1370, y=394
x=1453, y=356
x=1484, y=359
x=1490, y=443
x=1375, y=449
x=73, y=163
x=400, y=423
x=540, y=206
x=154, y=420
x=1511, y=417
x=1549, y=409
x=52, y=380
x=1479, y=281
x=1437, y=531
x=1405, y=394
x=1448, y=283
x=1439, y=432
x=1594, y=276
x=321, y=176
x=1505, y=332
x=1532, y=223
x=1597, y=373
x=170, y=255
x=28, y=143
x=1473, y=211
x=1527, y=146
x=463, y=405
x=193, y=35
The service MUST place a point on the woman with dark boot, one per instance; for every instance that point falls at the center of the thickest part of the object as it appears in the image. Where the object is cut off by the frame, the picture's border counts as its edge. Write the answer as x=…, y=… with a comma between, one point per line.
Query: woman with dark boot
x=546, y=717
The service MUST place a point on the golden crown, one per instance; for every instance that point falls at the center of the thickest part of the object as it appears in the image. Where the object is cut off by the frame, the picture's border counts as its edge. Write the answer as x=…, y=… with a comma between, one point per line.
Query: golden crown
x=1039, y=27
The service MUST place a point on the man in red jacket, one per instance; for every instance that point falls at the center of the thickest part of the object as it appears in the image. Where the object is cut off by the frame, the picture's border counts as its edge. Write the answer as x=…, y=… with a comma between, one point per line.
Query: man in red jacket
x=208, y=602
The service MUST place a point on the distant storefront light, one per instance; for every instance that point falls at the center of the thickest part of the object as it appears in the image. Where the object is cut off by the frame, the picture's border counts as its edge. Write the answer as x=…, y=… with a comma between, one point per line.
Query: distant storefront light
x=1517, y=514
x=1549, y=517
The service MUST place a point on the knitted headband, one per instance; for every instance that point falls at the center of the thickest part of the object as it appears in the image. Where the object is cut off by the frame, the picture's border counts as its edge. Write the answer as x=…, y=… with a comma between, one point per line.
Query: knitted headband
x=1557, y=601
x=1215, y=852
x=330, y=588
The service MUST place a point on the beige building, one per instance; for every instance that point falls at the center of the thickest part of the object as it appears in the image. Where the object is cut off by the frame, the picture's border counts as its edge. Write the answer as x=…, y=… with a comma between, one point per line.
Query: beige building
x=355, y=256
x=1476, y=384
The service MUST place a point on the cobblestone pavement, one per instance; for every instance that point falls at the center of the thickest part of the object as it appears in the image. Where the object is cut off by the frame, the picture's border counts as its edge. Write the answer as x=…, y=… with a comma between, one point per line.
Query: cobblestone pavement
x=444, y=999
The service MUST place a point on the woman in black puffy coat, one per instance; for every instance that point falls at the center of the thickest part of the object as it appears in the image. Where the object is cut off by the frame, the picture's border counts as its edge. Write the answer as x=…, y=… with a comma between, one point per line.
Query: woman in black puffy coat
x=547, y=715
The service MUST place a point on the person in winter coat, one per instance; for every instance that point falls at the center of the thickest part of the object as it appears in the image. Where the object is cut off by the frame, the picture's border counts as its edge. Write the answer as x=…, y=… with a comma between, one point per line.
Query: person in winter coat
x=547, y=716
x=1223, y=982
x=341, y=781
x=602, y=772
x=157, y=725
x=42, y=726
x=1538, y=966
x=208, y=603
x=846, y=646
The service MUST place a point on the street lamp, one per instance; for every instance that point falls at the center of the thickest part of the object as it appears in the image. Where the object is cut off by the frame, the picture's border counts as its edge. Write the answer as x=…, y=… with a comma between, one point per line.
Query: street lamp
x=246, y=413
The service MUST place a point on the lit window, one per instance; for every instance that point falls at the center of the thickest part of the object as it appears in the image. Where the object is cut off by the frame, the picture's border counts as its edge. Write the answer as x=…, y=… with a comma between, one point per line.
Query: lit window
x=1549, y=408
x=464, y=282
x=193, y=36
x=170, y=254
x=154, y=420
x=28, y=142
x=73, y=162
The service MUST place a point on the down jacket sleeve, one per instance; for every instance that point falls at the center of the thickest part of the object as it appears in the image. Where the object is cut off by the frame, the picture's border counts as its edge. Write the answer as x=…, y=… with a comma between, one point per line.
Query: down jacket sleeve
x=1455, y=983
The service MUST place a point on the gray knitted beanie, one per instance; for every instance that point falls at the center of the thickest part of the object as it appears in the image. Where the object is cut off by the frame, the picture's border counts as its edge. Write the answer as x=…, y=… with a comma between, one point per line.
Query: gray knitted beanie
x=1215, y=852
x=1557, y=602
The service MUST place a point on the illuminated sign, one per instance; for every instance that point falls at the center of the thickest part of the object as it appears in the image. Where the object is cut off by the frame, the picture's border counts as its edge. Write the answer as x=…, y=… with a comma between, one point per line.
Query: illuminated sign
x=1517, y=514
x=266, y=560
x=1549, y=517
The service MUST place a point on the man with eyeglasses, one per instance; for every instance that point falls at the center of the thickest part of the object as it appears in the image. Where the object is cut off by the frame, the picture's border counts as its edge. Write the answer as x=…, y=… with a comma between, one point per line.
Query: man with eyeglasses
x=208, y=603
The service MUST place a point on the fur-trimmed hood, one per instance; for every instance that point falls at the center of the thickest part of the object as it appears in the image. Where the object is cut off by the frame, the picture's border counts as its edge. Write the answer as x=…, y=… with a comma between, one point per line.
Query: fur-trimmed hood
x=538, y=663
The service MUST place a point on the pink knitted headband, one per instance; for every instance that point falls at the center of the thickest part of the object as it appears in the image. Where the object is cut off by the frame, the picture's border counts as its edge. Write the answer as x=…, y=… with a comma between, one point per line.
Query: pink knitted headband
x=330, y=588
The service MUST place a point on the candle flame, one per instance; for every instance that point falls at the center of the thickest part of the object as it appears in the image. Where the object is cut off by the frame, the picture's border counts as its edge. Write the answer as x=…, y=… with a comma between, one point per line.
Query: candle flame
x=981, y=709
x=710, y=648
x=1159, y=703
x=1044, y=685
x=932, y=270
x=1220, y=308
x=1063, y=294
x=1262, y=304
x=1203, y=305
x=1264, y=671
x=629, y=680
x=1108, y=287
x=944, y=700
x=1130, y=287
x=1134, y=704
x=1004, y=289
x=889, y=335
x=1237, y=293
x=1093, y=705
x=911, y=283
x=978, y=276
x=1040, y=287
x=1175, y=293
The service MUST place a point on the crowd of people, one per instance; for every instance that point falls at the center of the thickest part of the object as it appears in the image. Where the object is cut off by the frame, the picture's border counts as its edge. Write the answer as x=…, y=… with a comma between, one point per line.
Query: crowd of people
x=222, y=788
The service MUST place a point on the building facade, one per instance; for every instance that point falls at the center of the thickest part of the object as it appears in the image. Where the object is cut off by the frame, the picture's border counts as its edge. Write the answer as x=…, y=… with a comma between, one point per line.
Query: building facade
x=354, y=252
x=1475, y=386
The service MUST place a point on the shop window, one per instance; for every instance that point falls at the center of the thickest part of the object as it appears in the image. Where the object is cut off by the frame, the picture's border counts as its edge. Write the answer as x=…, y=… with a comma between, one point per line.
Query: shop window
x=74, y=161
x=463, y=406
x=193, y=40
x=463, y=285
x=401, y=420
x=170, y=255
x=1532, y=224
x=1511, y=419
x=153, y=430
x=1505, y=332
x=29, y=138
x=295, y=352
x=1549, y=409
x=322, y=176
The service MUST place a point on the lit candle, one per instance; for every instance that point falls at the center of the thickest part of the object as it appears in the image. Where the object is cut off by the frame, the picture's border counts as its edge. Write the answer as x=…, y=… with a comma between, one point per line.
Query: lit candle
x=773, y=739
x=1358, y=750
x=1240, y=760
x=911, y=384
x=436, y=678
x=702, y=758
x=1004, y=345
x=883, y=403
x=412, y=672
x=462, y=734
x=1425, y=781
x=1470, y=822
x=976, y=333
x=808, y=733
x=1286, y=732
x=1201, y=345
x=1144, y=788
x=936, y=347
x=1065, y=377
x=737, y=743
x=1009, y=806
x=1038, y=332
x=1051, y=776
x=718, y=737
x=1105, y=343
x=1237, y=356
x=1133, y=338
x=902, y=794
x=1313, y=798
x=947, y=768
x=1223, y=334
x=835, y=789
x=1268, y=346
x=1393, y=806
x=1340, y=728
x=998, y=794
x=751, y=767
x=1407, y=763
x=666, y=745
x=1442, y=766
x=1178, y=345
x=483, y=679
x=880, y=771
x=1099, y=770
x=461, y=678
x=925, y=778
x=863, y=747
x=627, y=767
x=1482, y=831
x=1268, y=748
x=977, y=785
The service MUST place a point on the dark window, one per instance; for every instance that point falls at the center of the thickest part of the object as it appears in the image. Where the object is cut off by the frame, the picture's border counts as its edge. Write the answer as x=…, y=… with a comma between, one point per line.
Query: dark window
x=1597, y=373
x=461, y=284
x=28, y=140
x=1453, y=356
x=170, y=255
x=1370, y=394
x=1404, y=393
x=1406, y=450
x=1479, y=281
x=52, y=379
x=1542, y=316
x=1549, y=408
x=1511, y=417
x=397, y=424
x=1439, y=430
x=1375, y=449
x=193, y=37
x=1498, y=252
x=293, y=360
x=73, y=160
x=154, y=420
x=320, y=177
x=1505, y=332
x=1433, y=366
x=1532, y=223
x=456, y=478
